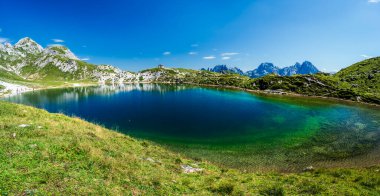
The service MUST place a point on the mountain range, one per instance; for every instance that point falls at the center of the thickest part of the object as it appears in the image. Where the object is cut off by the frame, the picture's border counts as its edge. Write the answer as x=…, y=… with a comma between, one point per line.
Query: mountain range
x=29, y=60
x=268, y=68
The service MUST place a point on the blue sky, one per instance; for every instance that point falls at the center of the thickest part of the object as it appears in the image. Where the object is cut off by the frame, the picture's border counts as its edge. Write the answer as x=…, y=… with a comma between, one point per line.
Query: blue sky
x=139, y=34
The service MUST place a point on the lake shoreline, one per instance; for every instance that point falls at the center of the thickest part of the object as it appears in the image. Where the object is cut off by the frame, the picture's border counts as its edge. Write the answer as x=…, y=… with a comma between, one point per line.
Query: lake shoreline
x=285, y=93
x=260, y=92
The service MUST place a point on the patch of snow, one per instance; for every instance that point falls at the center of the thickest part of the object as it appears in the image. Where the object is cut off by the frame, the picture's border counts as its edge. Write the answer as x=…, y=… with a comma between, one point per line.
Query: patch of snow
x=23, y=125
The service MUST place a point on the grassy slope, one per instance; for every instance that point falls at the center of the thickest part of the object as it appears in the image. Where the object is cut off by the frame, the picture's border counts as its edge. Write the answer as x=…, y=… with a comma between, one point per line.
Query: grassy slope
x=63, y=155
x=362, y=78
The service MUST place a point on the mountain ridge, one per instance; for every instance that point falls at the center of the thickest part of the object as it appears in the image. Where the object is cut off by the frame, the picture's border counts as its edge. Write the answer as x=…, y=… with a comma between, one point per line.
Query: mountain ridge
x=268, y=68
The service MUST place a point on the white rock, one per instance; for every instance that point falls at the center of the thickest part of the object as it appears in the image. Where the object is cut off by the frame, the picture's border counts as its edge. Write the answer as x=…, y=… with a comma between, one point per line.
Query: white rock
x=188, y=169
x=23, y=125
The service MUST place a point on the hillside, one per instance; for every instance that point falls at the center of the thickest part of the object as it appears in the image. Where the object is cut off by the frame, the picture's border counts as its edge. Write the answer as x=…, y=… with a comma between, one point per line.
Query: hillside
x=362, y=77
x=43, y=153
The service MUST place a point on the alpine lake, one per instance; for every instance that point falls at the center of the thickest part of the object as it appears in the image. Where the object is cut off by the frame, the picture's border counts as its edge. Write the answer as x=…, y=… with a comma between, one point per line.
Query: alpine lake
x=231, y=128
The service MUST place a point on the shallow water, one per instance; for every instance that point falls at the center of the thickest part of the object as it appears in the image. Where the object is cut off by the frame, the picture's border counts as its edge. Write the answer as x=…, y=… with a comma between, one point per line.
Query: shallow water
x=228, y=127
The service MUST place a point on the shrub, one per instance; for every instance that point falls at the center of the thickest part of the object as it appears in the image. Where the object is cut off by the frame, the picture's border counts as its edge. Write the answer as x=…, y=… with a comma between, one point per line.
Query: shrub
x=275, y=190
x=224, y=188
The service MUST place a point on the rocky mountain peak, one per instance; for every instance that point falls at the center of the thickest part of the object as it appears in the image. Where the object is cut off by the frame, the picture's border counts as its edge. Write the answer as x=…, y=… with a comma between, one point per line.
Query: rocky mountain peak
x=225, y=69
x=28, y=45
x=307, y=68
x=266, y=65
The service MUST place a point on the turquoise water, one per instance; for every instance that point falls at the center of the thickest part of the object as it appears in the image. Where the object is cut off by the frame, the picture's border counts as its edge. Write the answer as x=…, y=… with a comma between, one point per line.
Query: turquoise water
x=231, y=128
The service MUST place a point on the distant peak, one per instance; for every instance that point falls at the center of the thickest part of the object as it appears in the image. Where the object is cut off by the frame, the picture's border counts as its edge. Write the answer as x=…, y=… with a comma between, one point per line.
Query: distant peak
x=307, y=63
x=266, y=65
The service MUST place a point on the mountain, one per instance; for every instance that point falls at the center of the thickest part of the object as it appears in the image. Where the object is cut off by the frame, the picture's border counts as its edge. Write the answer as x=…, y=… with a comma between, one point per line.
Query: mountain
x=29, y=60
x=224, y=69
x=268, y=68
x=262, y=70
x=304, y=68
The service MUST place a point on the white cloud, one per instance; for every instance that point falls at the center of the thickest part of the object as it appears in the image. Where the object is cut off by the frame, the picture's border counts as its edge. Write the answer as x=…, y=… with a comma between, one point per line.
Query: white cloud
x=194, y=45
x=366, y=56
x=209, y=57
x=85, y=59
x=167, y=53
x=193, y=53
x=58, y=40
x=226, y=58
x=3, y=39
x=373, y=1
x=229, y=54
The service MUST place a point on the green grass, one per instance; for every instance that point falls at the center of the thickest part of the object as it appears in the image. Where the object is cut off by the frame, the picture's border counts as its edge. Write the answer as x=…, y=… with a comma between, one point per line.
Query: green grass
x=362, y=77
x=59, y=49
x=56, y=154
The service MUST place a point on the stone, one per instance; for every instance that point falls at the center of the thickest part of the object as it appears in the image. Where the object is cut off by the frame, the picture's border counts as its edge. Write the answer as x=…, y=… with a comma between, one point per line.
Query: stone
x=188, y=169
x=23, y=125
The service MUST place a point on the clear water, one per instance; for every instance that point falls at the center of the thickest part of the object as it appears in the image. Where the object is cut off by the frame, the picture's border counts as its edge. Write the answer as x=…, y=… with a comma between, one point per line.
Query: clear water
x=231, y=128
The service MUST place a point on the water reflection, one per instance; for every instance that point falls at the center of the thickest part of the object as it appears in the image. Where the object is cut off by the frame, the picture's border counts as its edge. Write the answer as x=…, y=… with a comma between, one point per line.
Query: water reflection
x=75, y=94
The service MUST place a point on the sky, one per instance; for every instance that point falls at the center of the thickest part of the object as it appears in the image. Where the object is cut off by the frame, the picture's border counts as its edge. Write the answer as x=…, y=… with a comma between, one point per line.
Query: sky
x=139, y=34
